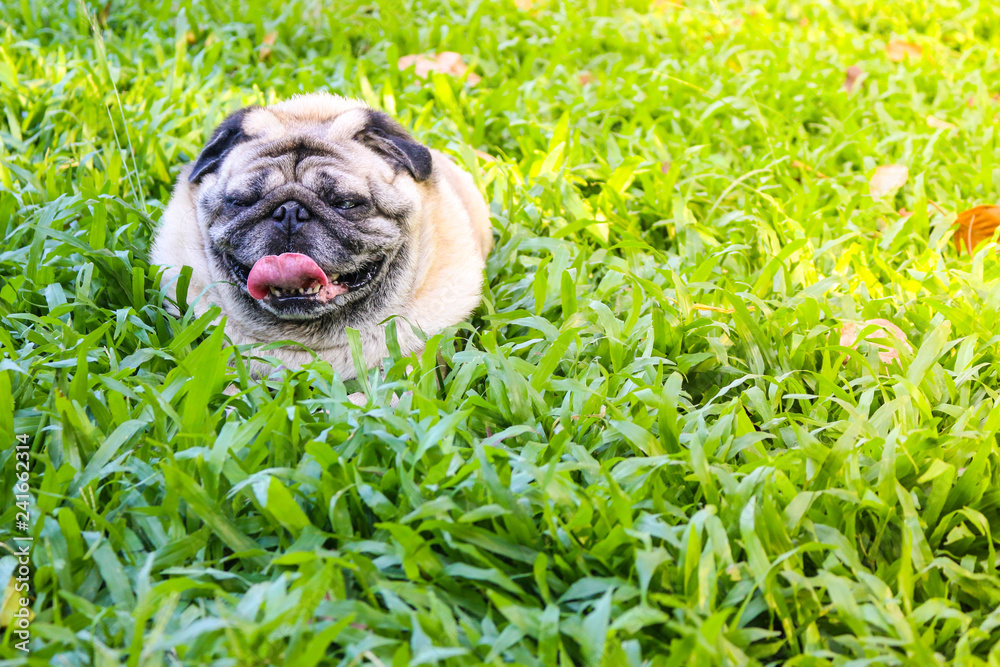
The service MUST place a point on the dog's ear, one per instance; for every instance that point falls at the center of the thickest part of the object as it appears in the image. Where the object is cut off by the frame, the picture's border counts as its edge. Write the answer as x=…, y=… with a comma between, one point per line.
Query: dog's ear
x=388, y=138
x=225, y=137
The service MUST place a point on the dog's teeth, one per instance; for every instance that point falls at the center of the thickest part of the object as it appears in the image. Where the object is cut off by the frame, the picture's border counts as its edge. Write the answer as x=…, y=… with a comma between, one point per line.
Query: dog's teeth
x=312, y=289
x=334, y=277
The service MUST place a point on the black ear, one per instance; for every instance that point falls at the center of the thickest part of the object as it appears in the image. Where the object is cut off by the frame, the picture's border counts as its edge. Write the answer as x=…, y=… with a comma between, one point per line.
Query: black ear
x=227, y=135
x=388, y=138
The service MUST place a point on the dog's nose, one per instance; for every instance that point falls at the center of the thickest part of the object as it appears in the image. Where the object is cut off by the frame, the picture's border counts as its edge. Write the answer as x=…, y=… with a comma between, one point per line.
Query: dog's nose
x=290, y=216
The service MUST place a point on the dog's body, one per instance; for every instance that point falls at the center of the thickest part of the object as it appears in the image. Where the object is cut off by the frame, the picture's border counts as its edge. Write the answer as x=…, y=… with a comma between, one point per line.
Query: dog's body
x=317, y=214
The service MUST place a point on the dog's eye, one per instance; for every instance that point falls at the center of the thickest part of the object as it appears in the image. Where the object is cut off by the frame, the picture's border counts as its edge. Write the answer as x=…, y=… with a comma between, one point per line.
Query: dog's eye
x=241, y=201
x=346, y=203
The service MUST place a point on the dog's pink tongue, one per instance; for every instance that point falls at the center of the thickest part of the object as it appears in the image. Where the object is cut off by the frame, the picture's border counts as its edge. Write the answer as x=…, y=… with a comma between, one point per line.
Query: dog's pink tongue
x=288, y=270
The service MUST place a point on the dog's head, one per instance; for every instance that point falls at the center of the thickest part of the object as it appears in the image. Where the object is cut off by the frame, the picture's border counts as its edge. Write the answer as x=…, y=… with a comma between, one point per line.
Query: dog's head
x=306, y=207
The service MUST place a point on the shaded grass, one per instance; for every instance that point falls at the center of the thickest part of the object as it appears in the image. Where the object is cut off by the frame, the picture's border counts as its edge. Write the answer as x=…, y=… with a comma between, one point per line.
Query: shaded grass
x=648, y=447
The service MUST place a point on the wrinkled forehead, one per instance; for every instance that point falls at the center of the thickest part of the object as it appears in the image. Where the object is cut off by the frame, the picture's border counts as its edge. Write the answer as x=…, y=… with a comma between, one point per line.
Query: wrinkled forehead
x=275, y=125
x=318, y=173
x=283, y=147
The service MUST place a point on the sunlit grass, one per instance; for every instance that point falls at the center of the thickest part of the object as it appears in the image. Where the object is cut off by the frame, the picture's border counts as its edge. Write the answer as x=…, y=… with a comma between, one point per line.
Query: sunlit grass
x=648, y=447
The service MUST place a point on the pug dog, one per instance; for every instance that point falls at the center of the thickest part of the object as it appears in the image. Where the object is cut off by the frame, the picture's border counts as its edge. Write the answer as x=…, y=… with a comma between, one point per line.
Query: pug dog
x=320, y=213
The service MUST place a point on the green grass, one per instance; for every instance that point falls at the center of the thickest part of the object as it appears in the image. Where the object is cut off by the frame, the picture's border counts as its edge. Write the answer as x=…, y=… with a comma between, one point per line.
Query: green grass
x=648, y=447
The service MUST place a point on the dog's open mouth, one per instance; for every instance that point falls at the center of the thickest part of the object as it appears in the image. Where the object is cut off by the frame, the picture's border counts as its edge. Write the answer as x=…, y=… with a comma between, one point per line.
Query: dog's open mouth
x=293, y=278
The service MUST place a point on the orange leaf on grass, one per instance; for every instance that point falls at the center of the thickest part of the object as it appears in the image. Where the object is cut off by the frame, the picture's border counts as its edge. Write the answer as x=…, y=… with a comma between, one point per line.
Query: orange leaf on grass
x=849, y=337
x=887, y=179
x=898, y=50
x=104, y=14
x=975, y=226
x=852, y=78
x=971, y=101
x=797, y=164
x=446, y=62
x=939, y=124
x=269, y=40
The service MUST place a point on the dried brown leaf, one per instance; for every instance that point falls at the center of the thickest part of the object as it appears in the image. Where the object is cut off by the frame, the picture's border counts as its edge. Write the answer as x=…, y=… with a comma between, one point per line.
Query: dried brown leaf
x=887, y=179
x=899, y=50
x=971, y=101
x=446, y=62
x=104, y=14
x=975, y=226
x=797, y=164
x=268, y=44
x=852, y=78
x=599, y=415
x=939, y=124
x=849, y=337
